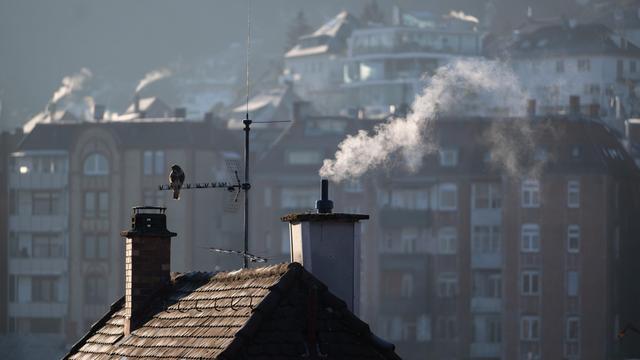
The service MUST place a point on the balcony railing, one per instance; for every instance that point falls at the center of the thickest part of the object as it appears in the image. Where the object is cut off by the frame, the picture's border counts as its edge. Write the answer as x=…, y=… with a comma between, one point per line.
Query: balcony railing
x=485, y=350
x=398, y=217
x=486, y=305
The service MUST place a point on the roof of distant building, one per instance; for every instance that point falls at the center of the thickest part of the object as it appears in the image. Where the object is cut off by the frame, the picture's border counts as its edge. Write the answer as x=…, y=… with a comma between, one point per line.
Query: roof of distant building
x=143, y=134
x=60, y=116
x=275, y=312
x=151, y=107
x=571, y=39
x=328, y=38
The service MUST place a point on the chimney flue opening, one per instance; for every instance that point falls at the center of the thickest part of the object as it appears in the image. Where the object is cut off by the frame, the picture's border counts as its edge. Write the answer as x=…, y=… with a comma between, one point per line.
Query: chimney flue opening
x=324, y=205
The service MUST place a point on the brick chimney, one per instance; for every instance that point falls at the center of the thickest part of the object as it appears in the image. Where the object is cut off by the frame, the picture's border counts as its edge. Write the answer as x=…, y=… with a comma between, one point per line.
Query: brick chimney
x=328, y=245
x=531, y=107
x=574, y=105
x=147, y=261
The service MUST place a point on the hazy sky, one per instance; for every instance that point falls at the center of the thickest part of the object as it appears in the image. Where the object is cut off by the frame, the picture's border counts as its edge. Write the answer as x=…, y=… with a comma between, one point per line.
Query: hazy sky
x=43, y=40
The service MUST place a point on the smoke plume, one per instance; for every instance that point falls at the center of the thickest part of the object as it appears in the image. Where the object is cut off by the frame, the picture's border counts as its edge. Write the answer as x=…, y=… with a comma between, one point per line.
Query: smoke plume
x=71, y=84
x=90, y=105
x=152, y=77
x=477, y=86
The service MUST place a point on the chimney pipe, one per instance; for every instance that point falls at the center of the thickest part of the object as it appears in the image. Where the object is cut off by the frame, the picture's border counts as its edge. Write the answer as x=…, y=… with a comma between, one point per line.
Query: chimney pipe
x=51, y=109
x=324, y=205
x=98, y=112
x=180, y=112
x=531, y=107
x=147, y=261
x=136, y=103
x=328, y=245
x=574, y=105
x=300, y=110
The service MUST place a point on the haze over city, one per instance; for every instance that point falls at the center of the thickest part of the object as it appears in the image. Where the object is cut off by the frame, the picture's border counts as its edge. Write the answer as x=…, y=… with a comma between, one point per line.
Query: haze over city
x=380, y=179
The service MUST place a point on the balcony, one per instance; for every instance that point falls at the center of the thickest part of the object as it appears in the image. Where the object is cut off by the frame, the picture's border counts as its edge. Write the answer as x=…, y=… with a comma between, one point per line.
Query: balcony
x=486, y=260
x=397, y=218
x=38, y=310
x=36, y=223
x=37, y=266
x=486, y=305
x=38, y=181
x=485, y=350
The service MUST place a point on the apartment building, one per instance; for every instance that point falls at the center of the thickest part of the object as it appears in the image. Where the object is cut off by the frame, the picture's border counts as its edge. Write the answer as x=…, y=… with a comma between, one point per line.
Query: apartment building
x=315, y=65
x=562, y=59
x=8, y=144
x=71, y=187
x=476, y=264
x=463, y=260
x=386, y=65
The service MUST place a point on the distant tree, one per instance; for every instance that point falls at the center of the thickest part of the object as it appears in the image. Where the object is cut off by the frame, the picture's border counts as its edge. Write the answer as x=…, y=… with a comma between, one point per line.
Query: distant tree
x=298, y=28
x=371, y=13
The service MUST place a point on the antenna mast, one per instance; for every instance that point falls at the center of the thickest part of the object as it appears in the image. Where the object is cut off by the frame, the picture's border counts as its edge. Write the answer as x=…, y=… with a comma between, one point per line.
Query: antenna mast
x=247, y=128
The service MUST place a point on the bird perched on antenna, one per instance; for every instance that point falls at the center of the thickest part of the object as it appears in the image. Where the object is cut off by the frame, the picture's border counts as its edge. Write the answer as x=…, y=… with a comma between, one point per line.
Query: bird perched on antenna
x=176, y=179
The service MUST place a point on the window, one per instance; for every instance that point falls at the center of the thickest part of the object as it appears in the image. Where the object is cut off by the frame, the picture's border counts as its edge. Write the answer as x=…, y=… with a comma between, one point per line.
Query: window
x=487, y=196
x=407, y=286
x=530, y=193
x=304, y=157
x=47, y=245
x=96, y=247
x=447, y=285
x=530, y=328
x=448, y=157
x=530, y=283
x=584, y=65
x=95, y=290
x=573, y=194
x=44, y=289
x=447, y=240
x=46, y=203
x=573, y=328
x=409, y=238
x=486, y=329
x=448, y=197
x=410, y=199
x=153, y=162
x=96, y=204
x=446, y=328
x=96, y=164
x=573, y=238
x=530, y=238
x=559, y=66
x=299, y=198
x=423, y=328
x=572, y=283
x=486, y=239
x=632, y=66
x=487, y=284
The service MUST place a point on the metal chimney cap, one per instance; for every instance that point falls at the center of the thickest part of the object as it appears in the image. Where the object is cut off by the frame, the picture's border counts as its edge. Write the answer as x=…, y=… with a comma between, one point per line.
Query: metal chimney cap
x=324, y=205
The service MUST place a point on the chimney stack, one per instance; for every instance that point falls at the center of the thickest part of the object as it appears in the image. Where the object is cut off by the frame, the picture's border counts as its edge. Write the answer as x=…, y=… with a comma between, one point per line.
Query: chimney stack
x=300, y=110
x=98, y=112
x=51, y=109
x=147, y=261
x=180, y=113
x=531, y=107
x=574, y=105
x=136, y=103
x=328, y=245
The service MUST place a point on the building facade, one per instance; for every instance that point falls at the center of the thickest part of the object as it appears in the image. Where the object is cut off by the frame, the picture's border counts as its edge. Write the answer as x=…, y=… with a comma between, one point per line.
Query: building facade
x=464, y=261
x=71, y=187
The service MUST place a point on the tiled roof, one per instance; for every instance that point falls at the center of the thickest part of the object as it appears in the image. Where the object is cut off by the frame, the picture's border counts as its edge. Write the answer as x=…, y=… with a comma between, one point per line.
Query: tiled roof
x=264, y=313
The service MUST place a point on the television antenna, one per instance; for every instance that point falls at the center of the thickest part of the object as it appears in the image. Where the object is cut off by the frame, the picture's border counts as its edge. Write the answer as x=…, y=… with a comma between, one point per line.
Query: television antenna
x=236, y=186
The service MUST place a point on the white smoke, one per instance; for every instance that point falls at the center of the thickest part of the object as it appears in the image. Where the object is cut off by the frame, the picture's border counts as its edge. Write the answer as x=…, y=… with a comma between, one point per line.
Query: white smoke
x=89, y=107
x=152, y=77
x=479, y=87
x=71, y=84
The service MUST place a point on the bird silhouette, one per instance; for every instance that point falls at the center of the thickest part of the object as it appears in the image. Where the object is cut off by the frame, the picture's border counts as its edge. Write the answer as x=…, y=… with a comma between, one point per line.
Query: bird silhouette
x=176, y=178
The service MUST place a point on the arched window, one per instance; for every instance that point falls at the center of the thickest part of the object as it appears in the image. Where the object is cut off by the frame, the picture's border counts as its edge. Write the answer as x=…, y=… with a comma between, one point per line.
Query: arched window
x=96, y=164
